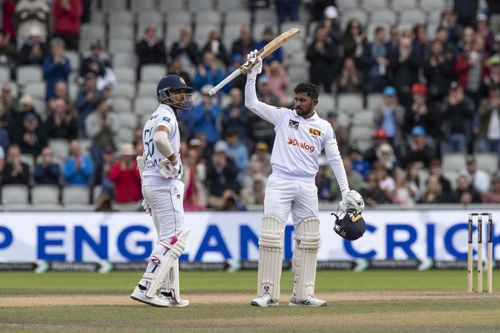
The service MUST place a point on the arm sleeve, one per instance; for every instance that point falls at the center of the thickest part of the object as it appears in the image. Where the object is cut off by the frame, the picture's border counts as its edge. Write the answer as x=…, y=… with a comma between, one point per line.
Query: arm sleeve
x=267, y=112
x=335, y=161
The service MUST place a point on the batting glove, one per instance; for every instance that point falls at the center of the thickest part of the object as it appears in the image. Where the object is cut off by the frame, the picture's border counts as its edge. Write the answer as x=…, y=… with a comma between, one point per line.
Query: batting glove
x=353, y=202
x=253, y=66
x=170, y=170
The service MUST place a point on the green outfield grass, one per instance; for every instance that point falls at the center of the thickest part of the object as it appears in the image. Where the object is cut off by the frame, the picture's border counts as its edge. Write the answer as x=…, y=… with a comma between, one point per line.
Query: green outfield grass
x=20, y=283
x=371, y=301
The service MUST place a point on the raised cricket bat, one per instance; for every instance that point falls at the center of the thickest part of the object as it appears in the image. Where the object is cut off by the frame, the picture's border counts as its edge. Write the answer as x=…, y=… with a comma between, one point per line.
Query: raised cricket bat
x=263, y=53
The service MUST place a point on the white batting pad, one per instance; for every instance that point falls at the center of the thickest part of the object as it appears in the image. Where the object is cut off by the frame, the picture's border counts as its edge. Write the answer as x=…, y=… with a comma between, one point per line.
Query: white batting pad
x=307, y=239
x=164, y=263
x=270, y=256
x=171, y=282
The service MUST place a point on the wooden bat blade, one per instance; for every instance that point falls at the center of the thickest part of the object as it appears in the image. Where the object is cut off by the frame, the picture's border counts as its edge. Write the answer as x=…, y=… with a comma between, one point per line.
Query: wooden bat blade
x=278, y=41
x=269, y=48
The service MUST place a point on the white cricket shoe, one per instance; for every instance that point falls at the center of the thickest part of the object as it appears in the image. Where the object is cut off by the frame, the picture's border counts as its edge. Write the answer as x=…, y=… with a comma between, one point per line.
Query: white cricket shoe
x=310, y=301
x=173, y=302
x=264, y=301
x=140, y=296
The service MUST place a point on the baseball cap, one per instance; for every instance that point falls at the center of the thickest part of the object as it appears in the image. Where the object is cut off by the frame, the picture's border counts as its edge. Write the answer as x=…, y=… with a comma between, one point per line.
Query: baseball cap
x=268, y=30
x=418, y=131
x=419, y=88
x=261, y=146
x=332, y=114
x=195, y=142
x=220, y=146
x=389, y=91
x=331, y=12
x=127, y=149
x=481, y=17
x=96, y=44
x=494, y=60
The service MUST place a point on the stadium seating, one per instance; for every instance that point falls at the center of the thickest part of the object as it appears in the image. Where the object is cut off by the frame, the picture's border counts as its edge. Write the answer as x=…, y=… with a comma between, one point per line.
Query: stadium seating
x=124, y=73
x=4, y=74
x=120, y=18
x=370, y=5
x=350, y=102
x=113, y=6
x=152, y=73
x=45, y=195
x=383, y=16
x=29, y=74
x=121, y=104
x=60, y=148
x=15, y=194
x=36, y=90
x=138, y=6
x=171, y=6
x=487, y=162
x=453, y=162
x=412, y=16
x=75, y=195
x=344, y=5
x=402, y=5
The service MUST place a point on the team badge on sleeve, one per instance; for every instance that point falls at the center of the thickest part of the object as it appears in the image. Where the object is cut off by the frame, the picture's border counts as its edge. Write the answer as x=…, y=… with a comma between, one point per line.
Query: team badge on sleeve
x=167, y=119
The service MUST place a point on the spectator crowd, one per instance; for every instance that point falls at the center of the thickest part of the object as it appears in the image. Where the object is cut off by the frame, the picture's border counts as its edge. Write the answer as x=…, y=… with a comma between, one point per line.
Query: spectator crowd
x=435, y=97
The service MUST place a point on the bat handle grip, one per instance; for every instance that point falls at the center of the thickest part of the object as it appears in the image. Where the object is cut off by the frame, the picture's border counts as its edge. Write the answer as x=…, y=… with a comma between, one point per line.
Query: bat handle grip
x=221, y=84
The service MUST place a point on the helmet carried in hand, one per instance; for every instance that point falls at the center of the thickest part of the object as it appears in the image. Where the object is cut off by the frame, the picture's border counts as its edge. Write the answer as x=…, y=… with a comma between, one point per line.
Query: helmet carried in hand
x=351, y=226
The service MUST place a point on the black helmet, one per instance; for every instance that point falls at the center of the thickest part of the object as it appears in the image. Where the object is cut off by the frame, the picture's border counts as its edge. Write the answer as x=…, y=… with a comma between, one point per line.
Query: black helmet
x=352, y=226
x=169, y=84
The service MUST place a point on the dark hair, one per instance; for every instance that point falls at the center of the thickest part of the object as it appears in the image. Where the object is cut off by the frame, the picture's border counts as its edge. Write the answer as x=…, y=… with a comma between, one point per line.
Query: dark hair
x=312, y=90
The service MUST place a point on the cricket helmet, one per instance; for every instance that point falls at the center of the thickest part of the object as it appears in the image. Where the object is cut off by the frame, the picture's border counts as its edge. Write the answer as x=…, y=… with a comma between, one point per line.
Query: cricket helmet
x=171, y=84
x=351, y=226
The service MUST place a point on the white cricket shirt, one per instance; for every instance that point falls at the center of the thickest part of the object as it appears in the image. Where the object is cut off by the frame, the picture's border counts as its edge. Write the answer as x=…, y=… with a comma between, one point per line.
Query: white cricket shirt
x=164, y=115
x=299, y=142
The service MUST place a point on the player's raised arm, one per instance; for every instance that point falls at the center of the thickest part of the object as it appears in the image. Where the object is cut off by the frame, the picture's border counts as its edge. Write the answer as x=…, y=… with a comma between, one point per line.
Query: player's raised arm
x=267, y=112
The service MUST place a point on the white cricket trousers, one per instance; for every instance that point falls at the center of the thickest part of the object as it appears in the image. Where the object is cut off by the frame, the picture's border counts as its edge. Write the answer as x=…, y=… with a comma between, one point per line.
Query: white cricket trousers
x=166, y=202
x=285, y=195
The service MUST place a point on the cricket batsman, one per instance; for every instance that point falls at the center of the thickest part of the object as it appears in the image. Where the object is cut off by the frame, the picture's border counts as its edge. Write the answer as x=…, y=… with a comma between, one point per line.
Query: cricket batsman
x=163, y=191
x=301, y=135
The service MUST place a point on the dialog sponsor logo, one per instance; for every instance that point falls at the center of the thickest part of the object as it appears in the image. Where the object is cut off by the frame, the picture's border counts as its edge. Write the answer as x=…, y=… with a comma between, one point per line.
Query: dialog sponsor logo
x=303, y=145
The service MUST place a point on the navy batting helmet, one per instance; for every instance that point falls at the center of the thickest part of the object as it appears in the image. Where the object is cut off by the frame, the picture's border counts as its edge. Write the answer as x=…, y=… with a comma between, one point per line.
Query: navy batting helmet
x=352, y=226
x=170, y=84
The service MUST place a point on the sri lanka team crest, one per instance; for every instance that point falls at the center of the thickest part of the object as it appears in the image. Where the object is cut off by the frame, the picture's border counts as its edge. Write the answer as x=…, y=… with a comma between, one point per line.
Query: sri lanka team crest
x=314, y=131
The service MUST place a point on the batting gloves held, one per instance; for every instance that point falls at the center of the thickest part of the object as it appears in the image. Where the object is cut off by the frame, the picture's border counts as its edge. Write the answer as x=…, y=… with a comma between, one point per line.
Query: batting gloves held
x=253, y=66
x=353, y=201
x=169, y=169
